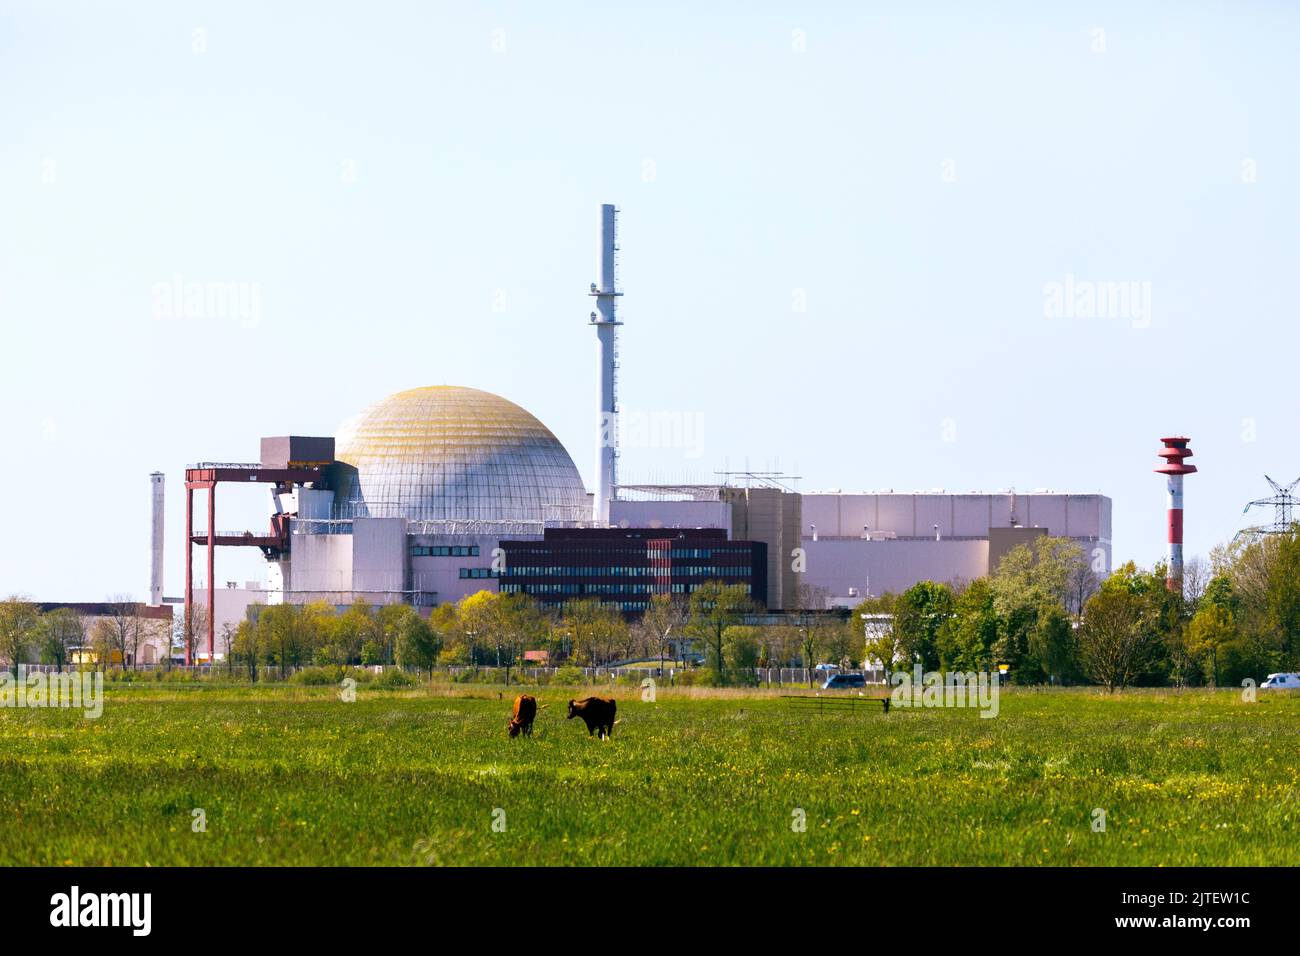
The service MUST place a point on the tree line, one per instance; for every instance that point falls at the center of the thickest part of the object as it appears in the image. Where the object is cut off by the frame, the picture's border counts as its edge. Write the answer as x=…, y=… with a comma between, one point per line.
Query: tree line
x=1047, y=615
x=482, y=629
x=119, y=632
x=1044, y=613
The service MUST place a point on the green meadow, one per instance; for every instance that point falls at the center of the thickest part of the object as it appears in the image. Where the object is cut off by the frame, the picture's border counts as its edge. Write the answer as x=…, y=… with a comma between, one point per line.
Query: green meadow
x=293, y=775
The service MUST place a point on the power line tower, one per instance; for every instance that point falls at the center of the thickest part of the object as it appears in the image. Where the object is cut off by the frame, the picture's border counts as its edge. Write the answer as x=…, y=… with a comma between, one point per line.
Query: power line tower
x=1283, y=502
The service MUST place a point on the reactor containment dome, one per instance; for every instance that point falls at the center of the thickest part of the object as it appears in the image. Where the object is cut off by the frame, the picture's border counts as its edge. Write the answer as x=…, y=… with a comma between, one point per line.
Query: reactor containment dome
x=447, y=453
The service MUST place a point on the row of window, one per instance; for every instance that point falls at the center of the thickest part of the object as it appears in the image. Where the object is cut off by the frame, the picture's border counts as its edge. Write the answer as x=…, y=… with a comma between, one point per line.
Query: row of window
x=542, y=589
x=705, y=552
x=571, y=588
x=623, y=571
x=444, y=551
x=479, y=573
x=622, y=548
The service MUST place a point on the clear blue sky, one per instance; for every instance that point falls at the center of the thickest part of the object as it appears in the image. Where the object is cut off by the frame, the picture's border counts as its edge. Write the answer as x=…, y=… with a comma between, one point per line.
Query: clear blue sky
x=378, y=171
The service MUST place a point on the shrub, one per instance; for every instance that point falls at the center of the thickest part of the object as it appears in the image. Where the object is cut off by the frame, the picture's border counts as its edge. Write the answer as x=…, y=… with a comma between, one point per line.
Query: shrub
x=569, y=676
x=395, y=677
x=696, y=677
x=329, y=674
x=315, y=676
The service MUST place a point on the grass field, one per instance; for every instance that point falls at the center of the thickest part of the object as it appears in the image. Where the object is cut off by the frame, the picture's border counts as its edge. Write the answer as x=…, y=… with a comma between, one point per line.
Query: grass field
x=292, y=775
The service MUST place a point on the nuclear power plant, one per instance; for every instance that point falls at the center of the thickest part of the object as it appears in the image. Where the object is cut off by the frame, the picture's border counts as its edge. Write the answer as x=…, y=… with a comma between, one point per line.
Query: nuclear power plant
x=433, y=493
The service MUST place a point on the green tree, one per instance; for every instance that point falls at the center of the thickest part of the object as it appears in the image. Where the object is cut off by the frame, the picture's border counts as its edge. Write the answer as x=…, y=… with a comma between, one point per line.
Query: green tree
x=742, y=649
x=417, y=644
x=1049, y=570
x=351, y=631
x=1282, y=598
x=19, y=629
x=1052, y=643
x=475, y=618
x=814, y=624
x=388, y=621
x=62, y=629
x=283, y=639
x=444, y=621
x=714, y=607
x=517, y=622
x=843, y=643
x=967, y=638
x=123, y=629
x=664, y=617
x=1030, y=586
x=1119, y=638
x=921, y=611
x=248, y=647
x=1211, y=629
x=880, y=641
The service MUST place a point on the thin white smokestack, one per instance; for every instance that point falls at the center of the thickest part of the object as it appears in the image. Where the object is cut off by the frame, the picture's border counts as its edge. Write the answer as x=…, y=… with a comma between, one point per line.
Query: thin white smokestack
x=606, y=322
x=156, y=558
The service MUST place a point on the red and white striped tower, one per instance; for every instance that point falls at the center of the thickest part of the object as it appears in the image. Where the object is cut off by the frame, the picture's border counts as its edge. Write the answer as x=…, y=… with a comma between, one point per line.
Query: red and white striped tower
x=1174, y=453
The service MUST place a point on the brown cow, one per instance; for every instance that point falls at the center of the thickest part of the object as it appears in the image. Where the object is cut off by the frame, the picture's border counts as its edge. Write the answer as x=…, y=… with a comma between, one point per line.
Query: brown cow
x=597, y=713
x=525, y=713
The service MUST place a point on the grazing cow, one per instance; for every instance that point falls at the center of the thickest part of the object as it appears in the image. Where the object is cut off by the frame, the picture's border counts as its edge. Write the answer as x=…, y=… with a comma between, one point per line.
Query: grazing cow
x=525, y=713
x=597, y=713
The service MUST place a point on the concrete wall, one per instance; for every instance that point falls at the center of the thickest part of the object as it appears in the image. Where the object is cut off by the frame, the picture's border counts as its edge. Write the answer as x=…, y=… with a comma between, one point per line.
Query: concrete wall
x=319, y=567
x=438, y=580
x=957, y=515
x=773, y=517
x=1003, y=540
x=902, y=527
x=378, y=559
x=314, y=502
x=231, y=607
x=671, y=514
x=874, y=567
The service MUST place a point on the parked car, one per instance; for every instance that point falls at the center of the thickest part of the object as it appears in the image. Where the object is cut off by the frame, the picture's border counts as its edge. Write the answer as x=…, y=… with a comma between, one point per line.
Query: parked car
x=842, y=681
x=1282, y=682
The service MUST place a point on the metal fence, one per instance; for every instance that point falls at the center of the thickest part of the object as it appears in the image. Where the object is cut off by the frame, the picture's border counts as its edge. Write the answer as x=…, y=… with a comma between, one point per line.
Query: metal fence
x=671, y=673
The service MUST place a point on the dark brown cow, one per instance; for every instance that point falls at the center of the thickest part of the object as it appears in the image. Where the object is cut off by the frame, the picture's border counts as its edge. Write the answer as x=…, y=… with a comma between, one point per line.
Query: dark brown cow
x=524, y=715
x=596, y=712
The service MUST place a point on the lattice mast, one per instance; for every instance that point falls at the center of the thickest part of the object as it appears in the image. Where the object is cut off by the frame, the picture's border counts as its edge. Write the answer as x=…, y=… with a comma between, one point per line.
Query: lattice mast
x=1283, y=502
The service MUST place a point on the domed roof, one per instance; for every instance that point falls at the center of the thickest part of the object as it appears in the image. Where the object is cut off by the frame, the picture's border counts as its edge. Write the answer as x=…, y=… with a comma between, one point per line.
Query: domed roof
x=446, y=453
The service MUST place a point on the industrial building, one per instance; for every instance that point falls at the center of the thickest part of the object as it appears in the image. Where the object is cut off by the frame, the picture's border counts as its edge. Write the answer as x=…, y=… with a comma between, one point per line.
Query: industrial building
x=852, y=545
x=627, y=567
x=870, y=543
x=433, y=493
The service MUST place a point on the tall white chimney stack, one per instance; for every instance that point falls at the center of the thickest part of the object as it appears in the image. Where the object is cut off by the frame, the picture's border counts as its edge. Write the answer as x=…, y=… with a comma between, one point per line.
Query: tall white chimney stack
x=606, y=322
x=156, y=560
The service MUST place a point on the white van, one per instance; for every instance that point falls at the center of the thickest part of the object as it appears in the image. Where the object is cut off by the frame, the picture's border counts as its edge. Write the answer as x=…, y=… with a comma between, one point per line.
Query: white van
x=1282, y=682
